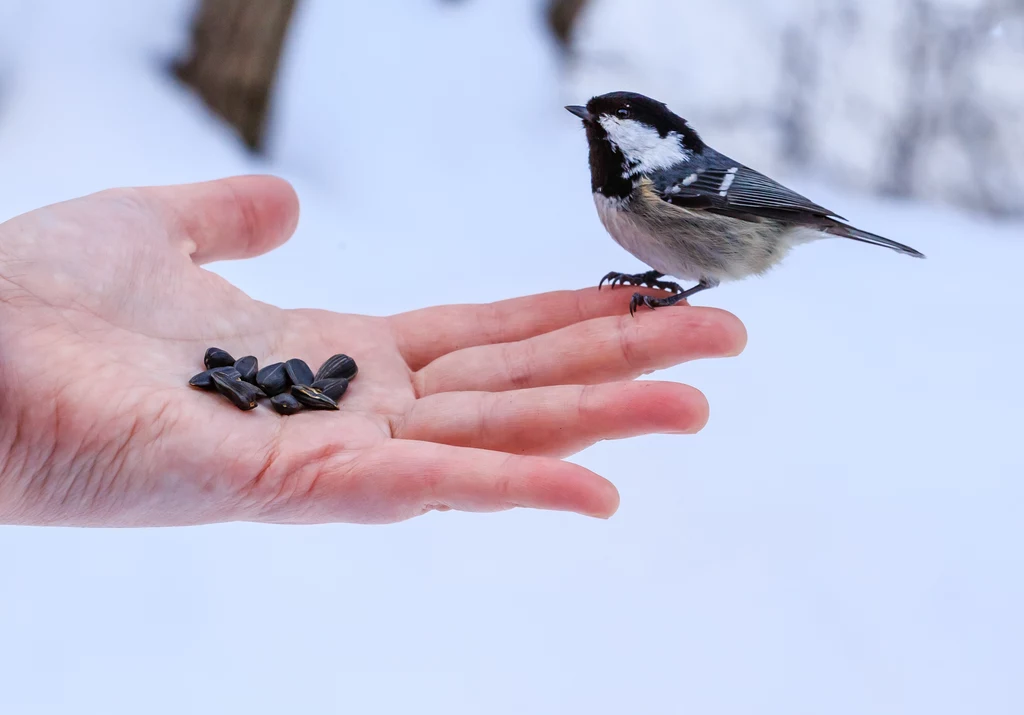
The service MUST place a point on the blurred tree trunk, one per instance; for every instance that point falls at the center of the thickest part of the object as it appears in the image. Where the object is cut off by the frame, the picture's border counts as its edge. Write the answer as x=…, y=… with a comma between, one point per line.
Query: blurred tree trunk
x=562, y=17
x=236, y=48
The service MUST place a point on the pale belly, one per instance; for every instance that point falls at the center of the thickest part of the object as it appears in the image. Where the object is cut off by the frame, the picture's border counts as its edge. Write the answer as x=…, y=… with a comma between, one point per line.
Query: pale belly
x=635, y=239
x=694, y=246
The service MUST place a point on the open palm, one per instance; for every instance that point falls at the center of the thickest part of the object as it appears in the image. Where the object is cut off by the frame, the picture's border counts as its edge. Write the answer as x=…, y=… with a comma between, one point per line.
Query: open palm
x=105, y=313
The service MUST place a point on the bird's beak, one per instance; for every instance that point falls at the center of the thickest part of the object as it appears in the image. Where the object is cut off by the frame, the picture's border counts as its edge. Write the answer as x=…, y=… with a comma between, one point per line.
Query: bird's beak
x=580, y=112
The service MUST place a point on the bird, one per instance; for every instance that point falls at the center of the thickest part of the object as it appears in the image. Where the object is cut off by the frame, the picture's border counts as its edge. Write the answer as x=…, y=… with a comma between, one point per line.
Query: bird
x=688, y=211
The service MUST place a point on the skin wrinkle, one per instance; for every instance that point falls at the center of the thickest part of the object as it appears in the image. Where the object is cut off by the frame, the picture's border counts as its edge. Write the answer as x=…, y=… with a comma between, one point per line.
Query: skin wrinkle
x=271, y=457
x=126, y=298
x=19, y=420
x=627, y=330
x=488, y=416
x=503, y=483
x=581, y=311
x=94, y=464
x=419, y=384
x=490, y=323
x=139, y=202
x=402, y=344
x=584, y=402
x=40, y=300
x=245, y=211
x=156, y=428
x=396, y=422
x=325, y=465
x=107, y=473
x=86, y=467
x=429, y=481
x=290, y=497
x=518, y=368
x=9, y=473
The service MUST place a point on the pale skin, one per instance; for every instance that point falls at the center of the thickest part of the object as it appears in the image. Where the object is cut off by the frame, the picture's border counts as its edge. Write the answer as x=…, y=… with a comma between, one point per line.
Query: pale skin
x=106, y=311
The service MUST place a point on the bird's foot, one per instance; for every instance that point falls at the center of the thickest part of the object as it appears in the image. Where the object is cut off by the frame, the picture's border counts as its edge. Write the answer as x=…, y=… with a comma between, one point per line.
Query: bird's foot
x=649, y=279
x=639, y=299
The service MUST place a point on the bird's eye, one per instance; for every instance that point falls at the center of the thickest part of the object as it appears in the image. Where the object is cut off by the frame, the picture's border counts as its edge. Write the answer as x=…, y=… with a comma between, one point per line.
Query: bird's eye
x=624, y=112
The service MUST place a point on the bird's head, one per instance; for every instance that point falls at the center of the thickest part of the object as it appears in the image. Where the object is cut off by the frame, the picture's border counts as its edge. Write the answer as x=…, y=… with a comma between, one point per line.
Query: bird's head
x=640, y=132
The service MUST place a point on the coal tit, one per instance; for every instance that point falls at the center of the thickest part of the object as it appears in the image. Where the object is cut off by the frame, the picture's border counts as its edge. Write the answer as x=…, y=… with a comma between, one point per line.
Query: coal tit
x=687, y=210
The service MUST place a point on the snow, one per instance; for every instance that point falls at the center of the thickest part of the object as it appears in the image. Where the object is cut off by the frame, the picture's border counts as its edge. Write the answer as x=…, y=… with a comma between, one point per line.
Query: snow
x=844, y=537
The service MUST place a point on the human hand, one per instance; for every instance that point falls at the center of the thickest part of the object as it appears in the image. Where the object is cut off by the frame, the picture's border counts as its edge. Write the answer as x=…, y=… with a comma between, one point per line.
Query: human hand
x=105, y=313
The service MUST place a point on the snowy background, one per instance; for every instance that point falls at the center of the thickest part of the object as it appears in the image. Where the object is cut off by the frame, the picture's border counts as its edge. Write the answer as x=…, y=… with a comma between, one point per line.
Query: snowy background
x=908, y=98
x=844, y=537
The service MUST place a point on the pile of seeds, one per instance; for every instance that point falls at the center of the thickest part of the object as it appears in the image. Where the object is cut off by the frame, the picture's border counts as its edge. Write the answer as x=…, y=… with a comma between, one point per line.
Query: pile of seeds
x=291, y=386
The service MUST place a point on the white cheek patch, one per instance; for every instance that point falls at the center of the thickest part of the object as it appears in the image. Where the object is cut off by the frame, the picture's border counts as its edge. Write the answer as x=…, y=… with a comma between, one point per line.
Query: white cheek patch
x=644, y=148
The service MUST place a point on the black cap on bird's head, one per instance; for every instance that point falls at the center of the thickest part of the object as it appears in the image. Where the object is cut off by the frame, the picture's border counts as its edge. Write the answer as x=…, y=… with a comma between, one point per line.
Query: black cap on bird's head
x=631, y=106
x=631, y=136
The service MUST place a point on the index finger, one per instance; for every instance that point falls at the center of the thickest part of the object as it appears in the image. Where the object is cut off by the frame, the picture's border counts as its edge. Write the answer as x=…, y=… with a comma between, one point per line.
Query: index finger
x=426, y=334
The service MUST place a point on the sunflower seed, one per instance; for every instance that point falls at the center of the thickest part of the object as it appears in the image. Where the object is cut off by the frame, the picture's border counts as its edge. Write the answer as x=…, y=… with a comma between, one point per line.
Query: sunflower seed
x=215, y=357
x=314, y=399
x=299, y=372
x=204, y=380
x=334, y=388
x=242, y=394
x=273, y=379
x=285, y=404
x=248, y=366
x=335, y=367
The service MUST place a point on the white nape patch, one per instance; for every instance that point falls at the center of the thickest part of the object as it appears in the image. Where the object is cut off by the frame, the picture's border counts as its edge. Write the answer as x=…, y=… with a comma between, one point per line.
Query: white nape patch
x=644, y=148
x=727, y=181
x=689, y=179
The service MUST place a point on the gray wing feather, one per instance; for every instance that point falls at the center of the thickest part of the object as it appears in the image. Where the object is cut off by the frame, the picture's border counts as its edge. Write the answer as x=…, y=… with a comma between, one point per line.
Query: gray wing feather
x=714, y=183
x=706, y=183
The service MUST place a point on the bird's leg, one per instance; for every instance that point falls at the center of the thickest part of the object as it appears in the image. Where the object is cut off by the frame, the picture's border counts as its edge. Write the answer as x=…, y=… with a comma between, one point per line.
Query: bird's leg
x=652, y=303
x=649, y=279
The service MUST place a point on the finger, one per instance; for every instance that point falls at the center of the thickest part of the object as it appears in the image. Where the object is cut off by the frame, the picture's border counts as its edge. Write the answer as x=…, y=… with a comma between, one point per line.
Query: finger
x=555, y=421
x=425, y=335
x=233, y=218
x=401, y=479
x=599, y=350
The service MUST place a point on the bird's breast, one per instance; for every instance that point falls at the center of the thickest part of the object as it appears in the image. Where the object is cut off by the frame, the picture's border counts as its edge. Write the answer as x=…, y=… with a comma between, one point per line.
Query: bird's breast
x=631, y=231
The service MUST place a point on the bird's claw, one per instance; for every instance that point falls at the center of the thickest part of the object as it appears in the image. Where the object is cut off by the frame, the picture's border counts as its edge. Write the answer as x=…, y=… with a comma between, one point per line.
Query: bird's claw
x=639, y=299
x=649, y=279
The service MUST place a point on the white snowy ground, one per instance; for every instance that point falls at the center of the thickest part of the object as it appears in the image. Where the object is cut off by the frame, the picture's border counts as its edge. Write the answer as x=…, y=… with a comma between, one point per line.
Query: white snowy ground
x=844, y=537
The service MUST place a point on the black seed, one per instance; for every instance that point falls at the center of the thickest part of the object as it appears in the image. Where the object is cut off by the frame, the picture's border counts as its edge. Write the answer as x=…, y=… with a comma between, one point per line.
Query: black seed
x=299, y=372
x=313, y=399
x=242, y=394
x=285, y=404
x=273, y=379
x=332, y=388
x=204, y=380
x=248, y=367
x=215, y=357
x=335, y=367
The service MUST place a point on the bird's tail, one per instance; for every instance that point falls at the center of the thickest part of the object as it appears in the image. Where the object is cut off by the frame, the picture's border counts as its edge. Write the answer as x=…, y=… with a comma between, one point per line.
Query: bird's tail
x=840, y=229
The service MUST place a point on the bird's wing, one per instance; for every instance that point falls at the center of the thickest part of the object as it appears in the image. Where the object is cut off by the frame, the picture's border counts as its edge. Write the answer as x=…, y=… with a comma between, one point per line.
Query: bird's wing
x=731, y=189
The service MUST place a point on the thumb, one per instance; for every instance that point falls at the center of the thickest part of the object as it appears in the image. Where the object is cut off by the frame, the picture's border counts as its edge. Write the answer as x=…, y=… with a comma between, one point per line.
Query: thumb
x=233, y=218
